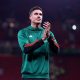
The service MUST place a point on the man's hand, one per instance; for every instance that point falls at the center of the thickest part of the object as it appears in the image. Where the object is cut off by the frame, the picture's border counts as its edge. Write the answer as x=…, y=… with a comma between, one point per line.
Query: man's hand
x=47, y=27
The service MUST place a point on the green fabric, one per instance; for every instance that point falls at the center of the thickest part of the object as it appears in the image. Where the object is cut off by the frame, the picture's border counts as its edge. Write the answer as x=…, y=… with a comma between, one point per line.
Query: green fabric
x=39, y=68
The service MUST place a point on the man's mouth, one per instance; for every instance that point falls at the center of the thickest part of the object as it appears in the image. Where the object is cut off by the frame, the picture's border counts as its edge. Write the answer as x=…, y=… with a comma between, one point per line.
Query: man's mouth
x=38, y=19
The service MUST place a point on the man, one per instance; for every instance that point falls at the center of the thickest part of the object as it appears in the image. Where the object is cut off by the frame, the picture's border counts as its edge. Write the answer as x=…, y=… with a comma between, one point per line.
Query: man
x=37, y=44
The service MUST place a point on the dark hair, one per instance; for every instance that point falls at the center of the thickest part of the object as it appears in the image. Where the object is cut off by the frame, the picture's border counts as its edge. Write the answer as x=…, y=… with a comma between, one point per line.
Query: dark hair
x=34, y=8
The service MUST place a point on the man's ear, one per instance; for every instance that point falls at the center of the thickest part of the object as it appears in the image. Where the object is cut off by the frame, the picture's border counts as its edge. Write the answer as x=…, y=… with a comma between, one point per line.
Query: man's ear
x=30, y=16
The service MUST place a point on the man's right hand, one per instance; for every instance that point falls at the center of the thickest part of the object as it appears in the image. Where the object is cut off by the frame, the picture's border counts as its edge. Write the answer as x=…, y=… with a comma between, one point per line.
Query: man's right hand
x=47, y=27
x=45, y=35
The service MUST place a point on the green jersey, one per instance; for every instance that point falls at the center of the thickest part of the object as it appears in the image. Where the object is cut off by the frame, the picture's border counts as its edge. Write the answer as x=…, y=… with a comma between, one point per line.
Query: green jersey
x=35, y=60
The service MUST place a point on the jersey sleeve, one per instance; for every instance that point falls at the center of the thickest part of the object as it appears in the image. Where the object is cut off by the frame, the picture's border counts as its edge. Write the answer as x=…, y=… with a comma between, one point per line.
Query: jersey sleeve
x=52, y=35
x=22, y=40
x=27, y=47
x=53, y=44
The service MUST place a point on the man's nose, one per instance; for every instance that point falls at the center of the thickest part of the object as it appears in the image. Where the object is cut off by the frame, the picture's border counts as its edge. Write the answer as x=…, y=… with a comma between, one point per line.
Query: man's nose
x=39, y=16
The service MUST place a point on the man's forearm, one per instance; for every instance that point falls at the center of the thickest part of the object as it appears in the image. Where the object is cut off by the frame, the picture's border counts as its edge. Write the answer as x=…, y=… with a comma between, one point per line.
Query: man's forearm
x=53, y=45
x=33, y=46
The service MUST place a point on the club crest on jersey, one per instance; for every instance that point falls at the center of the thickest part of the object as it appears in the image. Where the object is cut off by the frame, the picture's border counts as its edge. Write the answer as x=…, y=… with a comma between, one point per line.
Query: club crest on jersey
x=30, y=35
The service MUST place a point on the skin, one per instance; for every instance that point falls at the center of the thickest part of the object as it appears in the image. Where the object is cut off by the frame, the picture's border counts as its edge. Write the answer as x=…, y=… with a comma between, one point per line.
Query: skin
x=36, y=19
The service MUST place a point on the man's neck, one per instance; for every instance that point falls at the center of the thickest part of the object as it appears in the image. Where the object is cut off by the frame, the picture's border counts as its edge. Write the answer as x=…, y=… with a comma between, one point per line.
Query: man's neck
x=34, y=25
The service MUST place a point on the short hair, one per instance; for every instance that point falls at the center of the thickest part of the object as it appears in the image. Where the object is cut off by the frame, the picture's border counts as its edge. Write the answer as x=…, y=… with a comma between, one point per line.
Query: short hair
x=35, y=8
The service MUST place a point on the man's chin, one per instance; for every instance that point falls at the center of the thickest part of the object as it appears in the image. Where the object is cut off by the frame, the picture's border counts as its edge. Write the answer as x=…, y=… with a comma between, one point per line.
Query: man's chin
x=37, y=22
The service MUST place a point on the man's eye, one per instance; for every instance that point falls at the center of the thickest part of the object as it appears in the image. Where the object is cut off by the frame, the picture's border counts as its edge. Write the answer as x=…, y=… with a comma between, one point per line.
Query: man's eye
x=35, y=13
x=40, y=14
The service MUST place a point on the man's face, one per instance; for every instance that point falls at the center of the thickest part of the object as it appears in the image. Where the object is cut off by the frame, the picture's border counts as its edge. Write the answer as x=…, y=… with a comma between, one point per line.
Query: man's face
x=36, y=16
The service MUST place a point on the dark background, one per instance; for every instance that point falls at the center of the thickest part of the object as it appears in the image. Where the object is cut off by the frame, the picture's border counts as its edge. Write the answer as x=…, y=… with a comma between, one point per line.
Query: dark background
x=62, y=14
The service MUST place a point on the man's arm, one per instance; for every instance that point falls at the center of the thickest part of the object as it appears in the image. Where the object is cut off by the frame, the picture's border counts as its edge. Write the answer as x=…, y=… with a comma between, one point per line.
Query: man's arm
x=30, y=47
x=53, y=44
x=51, y=39
x=25, y=45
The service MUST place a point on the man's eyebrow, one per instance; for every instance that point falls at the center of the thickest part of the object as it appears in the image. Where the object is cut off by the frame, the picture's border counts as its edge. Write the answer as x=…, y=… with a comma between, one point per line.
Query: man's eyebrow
x=37, y=13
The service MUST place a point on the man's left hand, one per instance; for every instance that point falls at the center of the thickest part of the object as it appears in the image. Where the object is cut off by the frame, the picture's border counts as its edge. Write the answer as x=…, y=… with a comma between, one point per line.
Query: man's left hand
x=47, y=26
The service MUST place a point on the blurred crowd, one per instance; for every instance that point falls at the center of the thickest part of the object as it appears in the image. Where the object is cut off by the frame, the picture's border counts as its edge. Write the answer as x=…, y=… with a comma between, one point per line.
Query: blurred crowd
x=66, y=32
